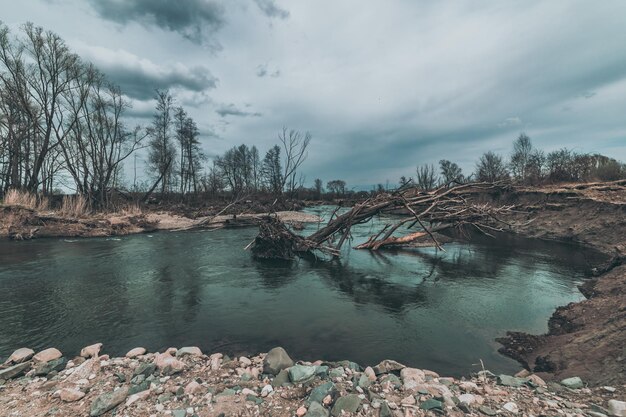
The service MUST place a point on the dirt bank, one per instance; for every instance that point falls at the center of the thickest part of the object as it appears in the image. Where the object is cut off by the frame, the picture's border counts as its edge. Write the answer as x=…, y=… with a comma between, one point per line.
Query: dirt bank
x=185, y=382
x=586, y=339
x=19, y=223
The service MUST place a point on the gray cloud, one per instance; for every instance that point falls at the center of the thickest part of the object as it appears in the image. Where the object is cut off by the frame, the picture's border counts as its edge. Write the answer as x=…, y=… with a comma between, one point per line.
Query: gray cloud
x=196, y=20
x=270, y=9
x=262, y=70
x=139, y=77
x=232, y=110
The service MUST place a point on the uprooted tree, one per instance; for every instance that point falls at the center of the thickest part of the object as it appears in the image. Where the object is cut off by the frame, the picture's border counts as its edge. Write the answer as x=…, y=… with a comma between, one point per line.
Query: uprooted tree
x=434, y=211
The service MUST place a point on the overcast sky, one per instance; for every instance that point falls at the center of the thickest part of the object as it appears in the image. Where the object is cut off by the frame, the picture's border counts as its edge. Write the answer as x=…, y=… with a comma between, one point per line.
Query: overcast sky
x=382, y=85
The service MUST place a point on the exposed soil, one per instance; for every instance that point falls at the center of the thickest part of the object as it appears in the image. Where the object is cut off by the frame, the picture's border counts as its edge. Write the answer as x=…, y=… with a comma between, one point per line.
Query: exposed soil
x=586, y=339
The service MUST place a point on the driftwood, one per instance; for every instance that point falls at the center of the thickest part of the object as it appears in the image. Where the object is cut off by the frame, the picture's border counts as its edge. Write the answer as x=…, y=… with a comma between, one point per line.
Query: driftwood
x=443, y=208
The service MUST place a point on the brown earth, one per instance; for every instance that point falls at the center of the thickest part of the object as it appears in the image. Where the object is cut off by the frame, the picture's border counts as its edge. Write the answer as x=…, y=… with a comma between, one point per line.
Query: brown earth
x=586, y=339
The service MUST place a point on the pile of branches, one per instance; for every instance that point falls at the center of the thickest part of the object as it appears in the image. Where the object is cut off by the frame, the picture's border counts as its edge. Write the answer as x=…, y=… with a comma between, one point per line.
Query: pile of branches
x=429, y=212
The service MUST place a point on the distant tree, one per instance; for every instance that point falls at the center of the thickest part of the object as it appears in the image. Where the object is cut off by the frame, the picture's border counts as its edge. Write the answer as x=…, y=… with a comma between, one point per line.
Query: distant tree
x=272, y=171
x=450, y=172
x=426, y=178
x=404, y=180
x=255, y=162
x=522, y=150
x=560, y=165
x=161, y=154
x=337, y=187
x=491, y=168
x=318, y=187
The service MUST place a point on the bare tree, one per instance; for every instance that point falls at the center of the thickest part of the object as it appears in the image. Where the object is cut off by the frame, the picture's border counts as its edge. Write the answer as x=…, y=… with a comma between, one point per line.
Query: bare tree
x=426, y=178
x=336, y=187
x=161, y=149
x=272, y=171
x=295, y=146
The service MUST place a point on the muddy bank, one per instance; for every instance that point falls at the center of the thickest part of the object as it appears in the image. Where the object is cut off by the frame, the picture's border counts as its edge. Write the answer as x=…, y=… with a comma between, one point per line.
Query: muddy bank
x=21, y=223
x=586, y=339
x=185, y=382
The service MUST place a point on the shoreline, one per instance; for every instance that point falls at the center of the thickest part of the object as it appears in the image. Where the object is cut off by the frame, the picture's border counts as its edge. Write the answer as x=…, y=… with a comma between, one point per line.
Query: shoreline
x=185, y=382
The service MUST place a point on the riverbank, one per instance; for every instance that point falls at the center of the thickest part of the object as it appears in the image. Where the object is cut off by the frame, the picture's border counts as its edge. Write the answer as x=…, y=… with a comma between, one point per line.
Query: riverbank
x=585, y=339
x=185, y=382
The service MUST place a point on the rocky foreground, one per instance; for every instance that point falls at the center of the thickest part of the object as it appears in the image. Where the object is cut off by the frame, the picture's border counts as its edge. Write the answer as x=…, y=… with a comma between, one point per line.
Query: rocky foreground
x=186, y=382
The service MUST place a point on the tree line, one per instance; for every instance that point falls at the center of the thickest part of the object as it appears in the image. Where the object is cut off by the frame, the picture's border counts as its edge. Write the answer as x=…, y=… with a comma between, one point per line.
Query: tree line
x=525, y=165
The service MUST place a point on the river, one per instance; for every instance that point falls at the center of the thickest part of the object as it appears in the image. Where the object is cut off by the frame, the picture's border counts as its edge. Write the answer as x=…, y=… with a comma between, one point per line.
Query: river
x=423, y=307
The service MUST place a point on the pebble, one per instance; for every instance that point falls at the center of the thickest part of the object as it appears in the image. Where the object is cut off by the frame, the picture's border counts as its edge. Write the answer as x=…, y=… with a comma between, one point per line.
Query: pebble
x=617, y=408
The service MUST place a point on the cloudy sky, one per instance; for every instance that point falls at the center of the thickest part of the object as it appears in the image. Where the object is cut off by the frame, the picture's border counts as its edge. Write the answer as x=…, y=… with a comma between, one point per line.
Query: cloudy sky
x=382, y=85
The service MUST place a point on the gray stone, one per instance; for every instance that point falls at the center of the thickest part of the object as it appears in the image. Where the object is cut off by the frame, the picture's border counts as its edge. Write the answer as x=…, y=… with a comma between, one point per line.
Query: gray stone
x=336, y=373
x=350, y=365
x=387, y=366
x=254, y=399
x=108, y=401
x=301, y=373
x=143, y=386
x=321, y=371
x=573, y=383
x=179, y=413
x=14, y=371
x=316, y=410
x=188, y=351
x=385, y=411
x=321, y=391
x=393, y=380
x=510, y=381
x=350, y=404
x=145, y=369
x=617, y=408
x=281, y=379
x=363, y=382
x=276, y=360
x=44, y=368
x=486, y=410
x=431, y=404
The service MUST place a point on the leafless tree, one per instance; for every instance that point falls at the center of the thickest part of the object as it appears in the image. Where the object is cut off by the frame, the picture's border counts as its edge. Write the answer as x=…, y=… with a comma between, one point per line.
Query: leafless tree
x=295, y=146
x=426, y=178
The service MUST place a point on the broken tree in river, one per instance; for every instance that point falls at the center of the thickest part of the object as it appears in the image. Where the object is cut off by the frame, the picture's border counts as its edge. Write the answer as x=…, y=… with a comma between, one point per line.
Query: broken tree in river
x=430, y=212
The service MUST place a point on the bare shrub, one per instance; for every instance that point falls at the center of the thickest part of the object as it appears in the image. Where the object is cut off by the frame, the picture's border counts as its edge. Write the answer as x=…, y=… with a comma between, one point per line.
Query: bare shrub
x=74, y=206
x=25, y=199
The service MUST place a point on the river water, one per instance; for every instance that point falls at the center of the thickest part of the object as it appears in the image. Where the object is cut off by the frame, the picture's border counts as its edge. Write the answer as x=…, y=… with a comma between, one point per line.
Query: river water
x=423, y=307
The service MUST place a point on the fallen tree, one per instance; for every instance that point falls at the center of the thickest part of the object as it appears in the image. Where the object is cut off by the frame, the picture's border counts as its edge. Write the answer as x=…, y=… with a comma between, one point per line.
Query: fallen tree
x=444, y=208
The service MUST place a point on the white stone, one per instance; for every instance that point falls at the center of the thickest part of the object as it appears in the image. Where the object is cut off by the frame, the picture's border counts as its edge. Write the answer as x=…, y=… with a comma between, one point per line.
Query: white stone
x=266, y=390
x=21, y=355
x=133, y=353
x=91, y=351
x=617, y=408
x=511, y=407
x=245, y=361
x=47, y=355
x=467, y=398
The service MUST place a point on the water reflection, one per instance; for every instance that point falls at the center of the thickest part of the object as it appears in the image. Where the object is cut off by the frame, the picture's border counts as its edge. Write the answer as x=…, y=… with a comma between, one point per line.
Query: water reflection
x=424, y=307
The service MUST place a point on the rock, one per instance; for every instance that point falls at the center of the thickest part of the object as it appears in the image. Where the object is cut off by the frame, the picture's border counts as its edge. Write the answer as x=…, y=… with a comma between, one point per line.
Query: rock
x=522, y=374
x=145, y=369
x=266, y=390
x=189, y=350
x=350, y=404
x=608, y=389
x=47, y=355
x=108, y=401
x=511, y=407
x=431, y=404
x=408, y=400
x=137, y=397
x=364, y=382
x=537, y=381
x=617, y=408
x=14, y=371
x=245, y=361
x=281, y=378
x=510, y=381
x=276, y=360
x=142, y=386
x=486, y=410
x=90, y=367
x=387, y=366
x=133, y=353
x=321, y=391
x=573, y=383
x=179, y=413
x=301, y=412
x=91, y=351
x=301, y=373
x=20, y=355
x=411, y=378
x=369, y=372
x=70, y=395
x=467, y=399
x=44, y=368
x=167, y=364
x=316, y=410
x=385, y=411
x=193, y=388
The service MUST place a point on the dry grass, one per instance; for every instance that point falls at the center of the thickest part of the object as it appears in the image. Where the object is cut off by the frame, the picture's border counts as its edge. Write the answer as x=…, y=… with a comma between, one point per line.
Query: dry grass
x=26, y=199
x=74, y=206
x=132, y=209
